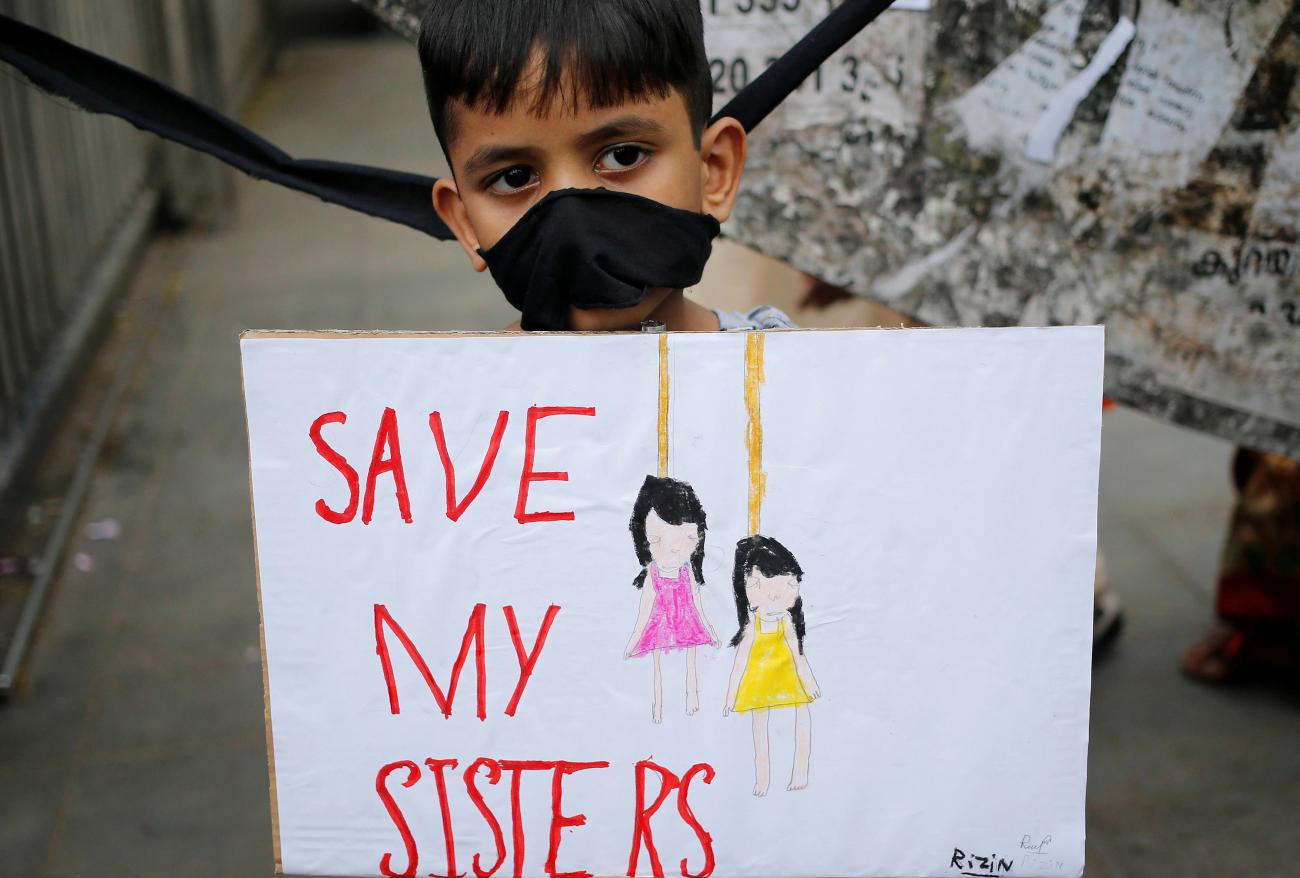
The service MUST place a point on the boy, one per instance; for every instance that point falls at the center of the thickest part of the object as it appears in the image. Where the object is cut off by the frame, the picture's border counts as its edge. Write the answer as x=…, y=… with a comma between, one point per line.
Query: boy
x=531, y=98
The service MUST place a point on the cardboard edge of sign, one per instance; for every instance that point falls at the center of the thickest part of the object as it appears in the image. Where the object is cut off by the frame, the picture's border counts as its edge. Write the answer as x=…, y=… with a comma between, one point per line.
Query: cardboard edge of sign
x=261, y=334
x=261, y=636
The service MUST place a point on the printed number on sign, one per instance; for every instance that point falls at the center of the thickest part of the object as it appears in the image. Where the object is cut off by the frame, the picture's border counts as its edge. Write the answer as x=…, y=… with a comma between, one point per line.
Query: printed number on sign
x=745, y=7
x=847, y=75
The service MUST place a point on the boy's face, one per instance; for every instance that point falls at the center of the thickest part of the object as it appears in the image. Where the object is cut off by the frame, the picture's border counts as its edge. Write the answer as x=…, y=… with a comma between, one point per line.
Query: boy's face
x=504, y=164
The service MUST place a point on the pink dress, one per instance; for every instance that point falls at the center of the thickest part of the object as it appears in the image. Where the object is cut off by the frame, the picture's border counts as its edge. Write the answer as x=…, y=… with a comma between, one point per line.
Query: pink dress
x=674, y=622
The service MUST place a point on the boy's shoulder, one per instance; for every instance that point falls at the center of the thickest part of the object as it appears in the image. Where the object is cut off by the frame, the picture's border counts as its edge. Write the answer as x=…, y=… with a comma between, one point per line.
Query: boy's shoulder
x=762, y=317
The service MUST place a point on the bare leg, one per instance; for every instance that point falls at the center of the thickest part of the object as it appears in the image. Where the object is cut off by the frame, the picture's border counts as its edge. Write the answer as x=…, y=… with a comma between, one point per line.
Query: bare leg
x=658, y=714
x=692, y=683
x=802, y=747
x=761, y=766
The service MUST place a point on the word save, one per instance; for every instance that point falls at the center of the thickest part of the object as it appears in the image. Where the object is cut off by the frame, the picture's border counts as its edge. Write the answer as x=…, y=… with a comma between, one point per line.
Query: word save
x=386, y=460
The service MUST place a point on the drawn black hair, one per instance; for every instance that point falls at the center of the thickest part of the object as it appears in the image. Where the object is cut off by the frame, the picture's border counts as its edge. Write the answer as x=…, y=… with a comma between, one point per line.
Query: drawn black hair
x=606, y=51
x=675, y=502
x=770, y=558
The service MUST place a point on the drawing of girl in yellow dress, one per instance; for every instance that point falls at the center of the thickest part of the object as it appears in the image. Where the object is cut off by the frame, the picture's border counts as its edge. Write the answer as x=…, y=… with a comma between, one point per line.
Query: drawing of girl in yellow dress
x=770, y=670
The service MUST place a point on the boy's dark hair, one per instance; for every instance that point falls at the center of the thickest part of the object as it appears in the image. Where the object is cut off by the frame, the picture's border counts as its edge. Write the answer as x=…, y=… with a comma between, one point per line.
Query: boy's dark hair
x=770, y=558
x=676, y=503
x=609, y=51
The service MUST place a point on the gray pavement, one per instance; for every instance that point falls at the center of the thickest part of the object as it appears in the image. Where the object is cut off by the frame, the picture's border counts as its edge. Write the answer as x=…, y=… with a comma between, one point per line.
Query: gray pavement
x=136, y=747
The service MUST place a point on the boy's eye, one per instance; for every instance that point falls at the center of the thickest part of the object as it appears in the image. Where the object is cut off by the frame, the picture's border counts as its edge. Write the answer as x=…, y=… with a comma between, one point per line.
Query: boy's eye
x=622, y=158
x=512, y=180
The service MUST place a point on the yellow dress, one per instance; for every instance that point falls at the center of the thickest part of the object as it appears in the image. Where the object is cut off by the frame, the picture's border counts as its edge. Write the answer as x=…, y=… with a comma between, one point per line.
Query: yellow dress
x=770, y=679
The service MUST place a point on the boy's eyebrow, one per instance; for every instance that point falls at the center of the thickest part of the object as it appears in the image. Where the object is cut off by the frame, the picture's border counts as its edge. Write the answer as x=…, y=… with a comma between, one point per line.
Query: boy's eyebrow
x=630, y=125
x=486, y=156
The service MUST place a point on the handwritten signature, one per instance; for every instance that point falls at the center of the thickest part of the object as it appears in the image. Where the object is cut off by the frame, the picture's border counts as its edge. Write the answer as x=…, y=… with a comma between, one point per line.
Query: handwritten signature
x=1027, y=844
x=978, y=865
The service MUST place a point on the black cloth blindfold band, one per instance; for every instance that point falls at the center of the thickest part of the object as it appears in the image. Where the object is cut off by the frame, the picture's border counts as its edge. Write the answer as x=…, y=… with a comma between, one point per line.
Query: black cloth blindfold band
x=101, y=85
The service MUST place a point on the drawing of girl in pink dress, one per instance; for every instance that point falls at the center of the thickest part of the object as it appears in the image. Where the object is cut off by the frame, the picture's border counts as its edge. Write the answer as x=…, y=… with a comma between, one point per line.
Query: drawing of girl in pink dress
x=668, y=526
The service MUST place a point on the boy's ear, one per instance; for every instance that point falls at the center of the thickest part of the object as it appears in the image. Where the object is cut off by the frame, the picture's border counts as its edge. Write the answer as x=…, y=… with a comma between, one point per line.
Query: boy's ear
x=722, y=160
x=446, y=201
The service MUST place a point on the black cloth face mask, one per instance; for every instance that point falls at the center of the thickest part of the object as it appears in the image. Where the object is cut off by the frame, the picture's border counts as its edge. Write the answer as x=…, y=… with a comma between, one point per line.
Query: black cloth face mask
x=595, y=248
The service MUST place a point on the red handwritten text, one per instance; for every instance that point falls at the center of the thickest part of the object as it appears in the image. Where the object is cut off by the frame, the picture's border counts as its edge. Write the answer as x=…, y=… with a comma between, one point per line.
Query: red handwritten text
x=386, y=461
x=494, y=770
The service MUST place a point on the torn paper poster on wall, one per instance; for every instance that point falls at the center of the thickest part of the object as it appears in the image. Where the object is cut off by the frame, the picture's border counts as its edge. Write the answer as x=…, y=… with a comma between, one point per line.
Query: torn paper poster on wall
x=879, y=74
x=627, y=604
x=1277, y=207
x=1001, y=110
x=1041, y=188
x=1040, y=145
x=1184, y=75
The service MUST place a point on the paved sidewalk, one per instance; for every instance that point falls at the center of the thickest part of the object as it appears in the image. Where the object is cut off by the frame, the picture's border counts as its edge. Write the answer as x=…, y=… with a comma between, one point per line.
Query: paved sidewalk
x=136, y=747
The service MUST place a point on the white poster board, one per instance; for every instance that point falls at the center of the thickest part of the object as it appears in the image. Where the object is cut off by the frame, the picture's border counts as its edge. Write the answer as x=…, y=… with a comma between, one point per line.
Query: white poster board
x=937, y=487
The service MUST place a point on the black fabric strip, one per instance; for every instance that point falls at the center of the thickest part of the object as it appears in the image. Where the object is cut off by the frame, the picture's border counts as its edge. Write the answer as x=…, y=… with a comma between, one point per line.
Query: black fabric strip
x=755, y=101
x=102, y=85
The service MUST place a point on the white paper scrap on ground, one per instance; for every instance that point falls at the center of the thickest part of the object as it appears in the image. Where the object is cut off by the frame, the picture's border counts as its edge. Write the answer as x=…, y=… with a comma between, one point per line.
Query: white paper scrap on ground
x=430, y=502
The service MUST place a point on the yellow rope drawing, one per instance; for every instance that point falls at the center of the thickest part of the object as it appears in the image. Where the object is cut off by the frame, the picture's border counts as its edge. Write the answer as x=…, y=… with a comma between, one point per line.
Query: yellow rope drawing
x=754, y=428
x=663, y=405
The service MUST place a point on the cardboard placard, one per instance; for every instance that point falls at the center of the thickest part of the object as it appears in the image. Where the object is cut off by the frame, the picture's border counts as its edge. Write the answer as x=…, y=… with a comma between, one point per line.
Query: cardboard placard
x=499, y=594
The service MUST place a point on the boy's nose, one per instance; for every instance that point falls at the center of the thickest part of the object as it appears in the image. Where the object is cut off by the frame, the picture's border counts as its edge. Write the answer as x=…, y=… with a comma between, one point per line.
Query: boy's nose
x=573, y=176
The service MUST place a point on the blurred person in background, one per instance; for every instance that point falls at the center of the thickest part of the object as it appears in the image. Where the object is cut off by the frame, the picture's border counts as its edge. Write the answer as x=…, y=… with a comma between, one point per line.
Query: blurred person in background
x=1257, y=598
